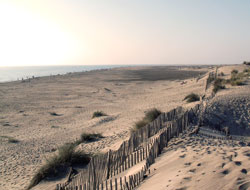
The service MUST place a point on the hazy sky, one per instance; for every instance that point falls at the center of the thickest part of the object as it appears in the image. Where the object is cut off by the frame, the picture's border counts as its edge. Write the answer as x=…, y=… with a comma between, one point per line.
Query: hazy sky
x=57, y=32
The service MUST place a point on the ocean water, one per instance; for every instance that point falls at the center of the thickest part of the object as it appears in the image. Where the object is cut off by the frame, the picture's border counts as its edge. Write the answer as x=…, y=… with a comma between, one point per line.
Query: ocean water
x=17, y=73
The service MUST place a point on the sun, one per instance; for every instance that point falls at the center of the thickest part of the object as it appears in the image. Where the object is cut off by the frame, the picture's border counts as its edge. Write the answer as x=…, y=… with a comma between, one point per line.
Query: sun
x=28, y=39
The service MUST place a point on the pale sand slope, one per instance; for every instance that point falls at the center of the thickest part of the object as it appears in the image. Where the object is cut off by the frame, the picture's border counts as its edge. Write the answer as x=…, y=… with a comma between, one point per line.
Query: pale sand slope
x=194, y=163
x=201, y=163
x=124, y=94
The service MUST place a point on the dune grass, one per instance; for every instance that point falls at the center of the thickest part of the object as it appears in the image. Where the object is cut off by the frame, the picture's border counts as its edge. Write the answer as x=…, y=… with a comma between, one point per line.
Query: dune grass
x=237, y=78
x=87, y=137
x=221, y=74
x=210, y=78
x=66, y=156
x=192, y=97
x=150, y=116
x=234, y=71
x=246, y=63
x=10, y=139
x=98, y=114
x=13, y=140
x=219, y=84
x=54, y=114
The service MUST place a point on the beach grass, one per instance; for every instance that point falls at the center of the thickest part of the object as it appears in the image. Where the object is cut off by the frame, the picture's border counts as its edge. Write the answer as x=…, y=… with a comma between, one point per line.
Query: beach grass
x=150, y=116
x=219, y=84
x=87, y=137
x=192, y=97
x=66, y=156
x=98, y=114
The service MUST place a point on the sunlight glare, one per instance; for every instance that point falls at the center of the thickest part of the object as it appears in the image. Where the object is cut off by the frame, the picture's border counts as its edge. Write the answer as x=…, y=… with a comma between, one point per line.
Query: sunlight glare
x=27, y=39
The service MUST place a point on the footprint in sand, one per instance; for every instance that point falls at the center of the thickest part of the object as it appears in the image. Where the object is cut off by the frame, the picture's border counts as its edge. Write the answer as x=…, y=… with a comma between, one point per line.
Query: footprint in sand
x=237, y=163
x=245, y=186
x=192, y=170
x=223, y=164
x=225, y=172
x=182, y=188
x=247, y=154
x=187, y=178
x=188, y=164
x=182, y=156
x=235, y=154
x=244, y=171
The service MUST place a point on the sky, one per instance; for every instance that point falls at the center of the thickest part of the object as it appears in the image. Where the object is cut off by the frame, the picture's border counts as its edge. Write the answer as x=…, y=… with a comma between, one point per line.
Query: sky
x=124, y=32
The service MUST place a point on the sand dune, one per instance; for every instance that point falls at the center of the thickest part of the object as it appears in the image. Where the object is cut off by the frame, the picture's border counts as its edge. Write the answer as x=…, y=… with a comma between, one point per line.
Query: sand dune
x=200, y=163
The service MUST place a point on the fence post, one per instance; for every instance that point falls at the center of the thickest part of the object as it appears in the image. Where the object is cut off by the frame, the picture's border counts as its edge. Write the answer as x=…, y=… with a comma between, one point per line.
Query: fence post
x=110, y=184
x=129, y=161
x=125, y=181
x=135, y=157
x=137, y=154
x=116, y=184
x=125, y=163
x=132, y=161
x=120, y=183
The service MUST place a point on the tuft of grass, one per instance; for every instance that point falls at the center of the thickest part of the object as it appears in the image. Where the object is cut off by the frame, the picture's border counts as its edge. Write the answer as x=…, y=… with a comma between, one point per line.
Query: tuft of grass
x=237, y=79
x=221, y=74
x=246, y=71
x=234, y=71
x=150, y=116
x=192, y=97
x=218, y=85
x=13, y=140
x=10, y=139
x=98, y=114
x=67, y=156
x=246, y=63
x=86, y=137
x=139, y=124
x=54, y=114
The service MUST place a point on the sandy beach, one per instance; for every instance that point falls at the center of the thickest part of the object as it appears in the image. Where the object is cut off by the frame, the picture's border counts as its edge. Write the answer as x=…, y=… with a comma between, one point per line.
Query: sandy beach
x=46, y=112
x=123, y=94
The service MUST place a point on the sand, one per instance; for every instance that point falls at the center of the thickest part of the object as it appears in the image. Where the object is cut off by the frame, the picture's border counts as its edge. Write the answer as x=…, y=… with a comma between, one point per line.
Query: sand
x=49, y=111
x=200, y=163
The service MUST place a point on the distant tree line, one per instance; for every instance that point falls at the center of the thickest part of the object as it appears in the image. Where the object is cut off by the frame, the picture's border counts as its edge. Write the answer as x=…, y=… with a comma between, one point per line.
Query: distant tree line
x=246, y=63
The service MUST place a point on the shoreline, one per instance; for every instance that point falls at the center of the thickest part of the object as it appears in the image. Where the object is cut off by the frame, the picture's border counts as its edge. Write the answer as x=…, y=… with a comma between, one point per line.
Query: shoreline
x=95, y=68
x=107, y=67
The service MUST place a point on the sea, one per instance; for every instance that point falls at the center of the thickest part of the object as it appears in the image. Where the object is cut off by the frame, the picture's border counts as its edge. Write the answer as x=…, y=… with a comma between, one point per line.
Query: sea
x=8, y=74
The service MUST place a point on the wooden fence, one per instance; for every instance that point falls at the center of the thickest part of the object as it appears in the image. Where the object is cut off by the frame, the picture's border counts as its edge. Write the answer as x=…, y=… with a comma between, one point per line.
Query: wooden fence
x=143, y=145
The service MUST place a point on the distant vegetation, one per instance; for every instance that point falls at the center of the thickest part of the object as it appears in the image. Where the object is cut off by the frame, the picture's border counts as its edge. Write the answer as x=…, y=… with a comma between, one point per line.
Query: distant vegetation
x=150, y=116
x=98, y=114
x=67, y=156
x=246, y=63
x=237, y=78
x=233, y=72
x=218, y=85
x=221, y=74
x=192, y=97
